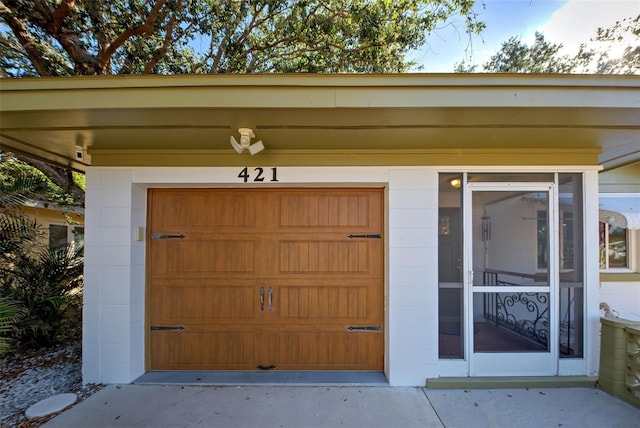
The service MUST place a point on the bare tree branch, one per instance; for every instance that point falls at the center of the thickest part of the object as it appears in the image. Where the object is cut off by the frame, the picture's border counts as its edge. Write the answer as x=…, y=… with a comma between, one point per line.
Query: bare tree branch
x=221, y=50
x=60, y=14
x=60, y=176
x=25, y=39
x=254, y=23
x=145, y=28
x=168, y=39
x=70, y=42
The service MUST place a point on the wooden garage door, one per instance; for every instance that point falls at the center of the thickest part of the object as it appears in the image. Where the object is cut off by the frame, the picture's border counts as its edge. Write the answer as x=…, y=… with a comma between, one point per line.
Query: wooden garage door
x=287, y=279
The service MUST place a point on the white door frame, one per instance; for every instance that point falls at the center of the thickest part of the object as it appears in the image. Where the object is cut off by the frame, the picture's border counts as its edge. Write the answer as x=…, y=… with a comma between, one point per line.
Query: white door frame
x=512, y=363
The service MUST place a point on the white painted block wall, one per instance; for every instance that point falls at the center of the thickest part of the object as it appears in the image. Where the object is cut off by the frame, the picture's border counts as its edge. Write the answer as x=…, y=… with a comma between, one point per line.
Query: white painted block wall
x=113, y=324
x=113, y=341
x=623, y=297
x=413, y=276
x=113, y=313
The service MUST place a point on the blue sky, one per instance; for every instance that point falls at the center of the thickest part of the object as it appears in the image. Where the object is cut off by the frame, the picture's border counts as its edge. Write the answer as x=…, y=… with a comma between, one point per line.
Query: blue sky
x=569, y=22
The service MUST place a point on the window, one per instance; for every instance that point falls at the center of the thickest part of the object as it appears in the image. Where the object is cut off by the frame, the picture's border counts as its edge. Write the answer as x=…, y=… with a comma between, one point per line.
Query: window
x=566, y=240
x=60, y=235
x=613, y=247
x=57, y=235
x=571, y=252
x=450, y=289
x=78, y=237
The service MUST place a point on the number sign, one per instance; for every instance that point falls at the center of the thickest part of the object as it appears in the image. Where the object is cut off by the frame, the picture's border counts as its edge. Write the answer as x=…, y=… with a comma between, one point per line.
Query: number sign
x=258, y=175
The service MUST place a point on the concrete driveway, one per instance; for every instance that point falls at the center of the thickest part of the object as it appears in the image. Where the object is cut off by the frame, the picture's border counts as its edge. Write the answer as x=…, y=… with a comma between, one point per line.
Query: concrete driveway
x=172, y=406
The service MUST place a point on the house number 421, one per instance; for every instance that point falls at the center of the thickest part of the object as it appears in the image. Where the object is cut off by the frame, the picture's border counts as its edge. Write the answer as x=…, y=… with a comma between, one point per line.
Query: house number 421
x=258, y=175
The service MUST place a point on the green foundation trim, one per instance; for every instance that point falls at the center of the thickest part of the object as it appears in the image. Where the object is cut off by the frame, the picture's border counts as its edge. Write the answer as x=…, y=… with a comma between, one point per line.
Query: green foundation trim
x=506, y=382
x=619, y=277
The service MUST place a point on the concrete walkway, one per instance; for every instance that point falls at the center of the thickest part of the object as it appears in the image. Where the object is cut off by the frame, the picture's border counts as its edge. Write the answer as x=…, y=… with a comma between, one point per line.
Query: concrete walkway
x=334, y=406
x=532, y=408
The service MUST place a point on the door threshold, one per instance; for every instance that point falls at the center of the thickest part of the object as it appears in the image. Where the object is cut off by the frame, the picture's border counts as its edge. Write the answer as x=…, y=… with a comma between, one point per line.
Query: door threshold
x=505, y=382
x=263, y=378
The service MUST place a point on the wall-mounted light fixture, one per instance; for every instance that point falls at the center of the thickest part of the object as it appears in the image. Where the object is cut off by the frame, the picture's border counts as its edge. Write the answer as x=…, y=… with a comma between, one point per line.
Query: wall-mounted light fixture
x=455, y=183
x=486, y=228
x=444, y=225
x=246, y=134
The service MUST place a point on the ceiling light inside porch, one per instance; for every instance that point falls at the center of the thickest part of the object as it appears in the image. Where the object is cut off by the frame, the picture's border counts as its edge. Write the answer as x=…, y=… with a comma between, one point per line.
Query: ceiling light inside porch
x=246, y=134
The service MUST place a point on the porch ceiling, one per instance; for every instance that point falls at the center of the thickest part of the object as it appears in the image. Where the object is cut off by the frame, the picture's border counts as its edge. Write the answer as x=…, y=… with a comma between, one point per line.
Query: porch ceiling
x=49, y=118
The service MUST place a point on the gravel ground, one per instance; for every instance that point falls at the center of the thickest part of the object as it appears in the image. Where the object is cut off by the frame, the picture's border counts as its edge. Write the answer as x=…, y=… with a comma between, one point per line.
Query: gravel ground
x=27, y=377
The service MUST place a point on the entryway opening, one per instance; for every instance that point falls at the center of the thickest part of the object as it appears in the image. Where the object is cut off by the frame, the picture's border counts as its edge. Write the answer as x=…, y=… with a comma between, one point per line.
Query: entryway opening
x=510, y=271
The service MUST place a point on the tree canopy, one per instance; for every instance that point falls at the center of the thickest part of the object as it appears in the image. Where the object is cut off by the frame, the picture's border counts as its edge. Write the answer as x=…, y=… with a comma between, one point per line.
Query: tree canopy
x=542, y=57
x=613, y=50
x=98, y=37
x=23, y=178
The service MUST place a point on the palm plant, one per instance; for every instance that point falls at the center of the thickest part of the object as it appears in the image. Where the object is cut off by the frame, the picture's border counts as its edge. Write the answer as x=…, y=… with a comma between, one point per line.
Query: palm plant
x=45, y=283
x=16, y=230
x=9, y=314
x=48, y=283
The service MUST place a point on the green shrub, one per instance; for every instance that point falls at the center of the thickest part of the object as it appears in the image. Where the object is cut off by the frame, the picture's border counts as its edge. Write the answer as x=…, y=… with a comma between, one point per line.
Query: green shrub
x=47, y=283
x=9, y=313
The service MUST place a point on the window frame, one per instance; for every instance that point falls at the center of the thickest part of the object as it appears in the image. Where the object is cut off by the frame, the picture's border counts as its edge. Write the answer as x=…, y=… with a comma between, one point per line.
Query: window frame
x=632, y=242
x=70, y=233
x=58, y=225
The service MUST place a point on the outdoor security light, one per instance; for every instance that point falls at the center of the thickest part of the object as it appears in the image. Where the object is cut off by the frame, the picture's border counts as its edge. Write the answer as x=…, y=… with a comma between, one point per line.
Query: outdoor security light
x=246, y=134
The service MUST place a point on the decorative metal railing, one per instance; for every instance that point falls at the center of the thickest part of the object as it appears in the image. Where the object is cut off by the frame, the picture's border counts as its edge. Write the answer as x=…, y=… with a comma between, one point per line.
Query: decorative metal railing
x=571, y=320
x=526, y=314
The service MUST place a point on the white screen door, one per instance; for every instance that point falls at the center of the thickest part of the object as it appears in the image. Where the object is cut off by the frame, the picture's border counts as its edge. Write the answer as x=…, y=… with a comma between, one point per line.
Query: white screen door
x=511, y=281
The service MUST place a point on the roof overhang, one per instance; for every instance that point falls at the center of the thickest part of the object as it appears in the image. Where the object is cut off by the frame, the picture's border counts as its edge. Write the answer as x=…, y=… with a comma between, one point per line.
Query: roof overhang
x=620, y=209
x=324, y=119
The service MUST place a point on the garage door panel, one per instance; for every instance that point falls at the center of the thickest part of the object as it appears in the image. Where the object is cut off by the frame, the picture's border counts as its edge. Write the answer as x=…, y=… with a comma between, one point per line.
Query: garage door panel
x=189, y=257
x=203, y=351
x=336, y=209
x=339, y=209
x=328, y=350
x=336, y=303
x=193, y=210
x=326, y=256
x=191, y=303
